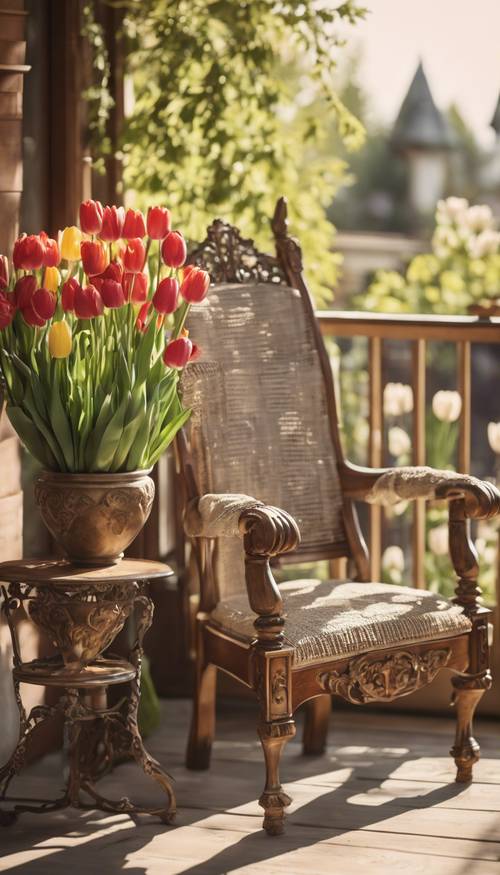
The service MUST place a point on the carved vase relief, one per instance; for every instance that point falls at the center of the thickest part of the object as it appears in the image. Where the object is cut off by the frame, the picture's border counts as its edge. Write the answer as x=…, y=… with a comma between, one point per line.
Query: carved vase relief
x=94, y=517
x=84, y=622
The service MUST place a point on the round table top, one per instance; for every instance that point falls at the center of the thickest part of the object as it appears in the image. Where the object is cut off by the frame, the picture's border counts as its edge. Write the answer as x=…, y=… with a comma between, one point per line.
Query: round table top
x=60, y=571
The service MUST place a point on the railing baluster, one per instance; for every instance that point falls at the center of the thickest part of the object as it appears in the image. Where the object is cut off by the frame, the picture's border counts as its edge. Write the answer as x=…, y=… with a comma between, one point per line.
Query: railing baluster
x=464, y=387
x=375, y=448
x=417, y=329
x=418, y=383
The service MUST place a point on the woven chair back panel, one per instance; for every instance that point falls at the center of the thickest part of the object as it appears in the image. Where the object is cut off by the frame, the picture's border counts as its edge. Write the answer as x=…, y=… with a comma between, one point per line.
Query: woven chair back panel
x=260, y=419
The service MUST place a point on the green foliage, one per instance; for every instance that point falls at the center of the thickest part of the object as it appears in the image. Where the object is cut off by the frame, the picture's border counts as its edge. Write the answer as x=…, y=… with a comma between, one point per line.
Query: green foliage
x=96, y=410
x=233, y=101
x=462, y=269
x=97, y=95
x=373, y=195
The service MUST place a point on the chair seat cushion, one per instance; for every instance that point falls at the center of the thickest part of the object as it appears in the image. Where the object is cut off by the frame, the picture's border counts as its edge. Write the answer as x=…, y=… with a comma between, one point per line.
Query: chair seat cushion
x=334, y=619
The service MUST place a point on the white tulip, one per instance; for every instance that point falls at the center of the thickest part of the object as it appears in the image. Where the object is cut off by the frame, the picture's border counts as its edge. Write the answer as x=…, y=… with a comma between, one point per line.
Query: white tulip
x=393, y=558
x=444, y=240
x=438, y=540
x=446, y=405
x=398, y=399
x=486, y=243
x=453, y=209
x=479, y=218
x=487, y=552
x=494, y=436
x=489, y=555
x=399, y=441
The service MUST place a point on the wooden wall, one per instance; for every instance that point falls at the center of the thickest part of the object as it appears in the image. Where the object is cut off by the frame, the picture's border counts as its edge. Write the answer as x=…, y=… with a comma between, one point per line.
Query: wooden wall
x=12, y=72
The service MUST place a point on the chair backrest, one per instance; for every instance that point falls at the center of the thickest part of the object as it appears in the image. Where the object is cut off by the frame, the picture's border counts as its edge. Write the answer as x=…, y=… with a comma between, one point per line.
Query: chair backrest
x=264, y=419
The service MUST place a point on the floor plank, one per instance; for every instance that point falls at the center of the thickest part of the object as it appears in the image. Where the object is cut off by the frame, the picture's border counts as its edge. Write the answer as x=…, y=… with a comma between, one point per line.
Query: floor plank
x=382, y=798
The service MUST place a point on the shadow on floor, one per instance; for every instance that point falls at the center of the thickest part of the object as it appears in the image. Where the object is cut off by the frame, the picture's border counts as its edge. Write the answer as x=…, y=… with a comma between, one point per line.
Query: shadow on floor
x=88, y=841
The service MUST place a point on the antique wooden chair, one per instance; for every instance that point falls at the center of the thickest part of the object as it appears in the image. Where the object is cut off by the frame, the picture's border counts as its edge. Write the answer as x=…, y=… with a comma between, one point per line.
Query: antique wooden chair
x=264, y=435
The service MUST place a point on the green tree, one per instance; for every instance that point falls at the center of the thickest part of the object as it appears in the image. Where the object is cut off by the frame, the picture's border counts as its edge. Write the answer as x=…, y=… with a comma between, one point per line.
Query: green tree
x=226, y=114
x=373, y=195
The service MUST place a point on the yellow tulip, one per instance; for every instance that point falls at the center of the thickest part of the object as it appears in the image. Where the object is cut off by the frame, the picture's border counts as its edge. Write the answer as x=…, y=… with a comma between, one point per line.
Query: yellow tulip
x=70, y=243
x=60, y=340
x=51, y=279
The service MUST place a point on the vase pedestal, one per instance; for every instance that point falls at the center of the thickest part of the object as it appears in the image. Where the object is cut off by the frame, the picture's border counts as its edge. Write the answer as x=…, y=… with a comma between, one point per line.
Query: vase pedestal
x=82, y=610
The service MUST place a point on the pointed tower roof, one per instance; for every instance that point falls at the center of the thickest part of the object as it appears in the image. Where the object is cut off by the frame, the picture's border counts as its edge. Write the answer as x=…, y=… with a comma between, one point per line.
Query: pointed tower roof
x=420, y=124
x=495, y=121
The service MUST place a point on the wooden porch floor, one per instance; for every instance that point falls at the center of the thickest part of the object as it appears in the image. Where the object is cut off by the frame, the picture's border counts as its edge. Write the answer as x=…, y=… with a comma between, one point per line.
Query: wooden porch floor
x=381, y=800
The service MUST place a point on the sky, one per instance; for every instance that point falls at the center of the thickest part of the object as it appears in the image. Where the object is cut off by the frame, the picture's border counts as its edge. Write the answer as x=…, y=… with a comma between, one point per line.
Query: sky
x=458, y=42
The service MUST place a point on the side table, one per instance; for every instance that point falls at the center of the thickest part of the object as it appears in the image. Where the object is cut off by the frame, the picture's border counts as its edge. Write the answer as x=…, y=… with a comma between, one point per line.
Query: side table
x=82, y=610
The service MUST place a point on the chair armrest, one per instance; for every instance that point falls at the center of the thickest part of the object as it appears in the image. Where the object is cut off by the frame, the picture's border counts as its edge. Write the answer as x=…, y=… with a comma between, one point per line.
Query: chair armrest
x=388, y=486
x=266, y=531
x=217, y=515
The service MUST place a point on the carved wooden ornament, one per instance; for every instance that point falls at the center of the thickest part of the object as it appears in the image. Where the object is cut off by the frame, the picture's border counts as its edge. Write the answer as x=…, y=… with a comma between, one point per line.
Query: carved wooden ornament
x=384, y=679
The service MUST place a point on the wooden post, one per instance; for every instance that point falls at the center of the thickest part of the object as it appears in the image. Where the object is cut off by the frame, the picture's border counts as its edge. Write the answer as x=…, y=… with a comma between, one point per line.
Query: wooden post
x=419, y=354
x=465, y=389
x=375, y=449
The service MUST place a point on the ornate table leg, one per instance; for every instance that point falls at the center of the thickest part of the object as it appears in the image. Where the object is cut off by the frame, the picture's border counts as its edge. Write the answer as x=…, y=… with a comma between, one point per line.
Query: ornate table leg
x=27, y=722
x=123, y=736
x=98, y=736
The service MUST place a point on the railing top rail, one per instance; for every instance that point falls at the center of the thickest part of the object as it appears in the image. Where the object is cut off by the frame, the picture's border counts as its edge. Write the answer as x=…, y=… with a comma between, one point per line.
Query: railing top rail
x=403, y=326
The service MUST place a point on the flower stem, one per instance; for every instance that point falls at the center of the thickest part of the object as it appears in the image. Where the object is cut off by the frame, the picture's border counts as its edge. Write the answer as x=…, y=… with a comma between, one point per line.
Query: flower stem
x=183, y=312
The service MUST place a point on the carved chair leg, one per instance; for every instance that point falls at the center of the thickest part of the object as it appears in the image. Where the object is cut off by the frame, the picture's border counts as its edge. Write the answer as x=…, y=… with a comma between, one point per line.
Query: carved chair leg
x=466, y=750
x=317, y=718
x=203, y=719
x=274, y=800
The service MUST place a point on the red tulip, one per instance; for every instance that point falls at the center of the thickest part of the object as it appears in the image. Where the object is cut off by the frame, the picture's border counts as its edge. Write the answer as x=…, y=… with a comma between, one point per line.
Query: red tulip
x=178, y=352
x=52, y=255
x=195, y=353
x=173, y=249
x=195, y=285
x=28, y=253
x=112, y=223
x=142, y=317
x=4, y=272
x=43, y=303
x=134, y=256
x=68, y=294
x=88, y=302
x=166, y=297
x=114, y=271
x=135, y=286
x=7, y=310
x=94, y=257
x=112, y=294
x=158, y=222
x=91, y=214
x=32, y=318
x=134, y=225
x=24, y=291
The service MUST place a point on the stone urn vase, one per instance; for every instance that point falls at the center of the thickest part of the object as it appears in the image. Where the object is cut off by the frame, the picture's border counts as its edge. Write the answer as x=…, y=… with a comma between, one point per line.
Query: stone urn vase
x=94, y=517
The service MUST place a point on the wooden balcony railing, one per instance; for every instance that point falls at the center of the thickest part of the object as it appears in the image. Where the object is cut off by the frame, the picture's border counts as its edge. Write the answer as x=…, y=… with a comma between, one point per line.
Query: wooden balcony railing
x=418, y=331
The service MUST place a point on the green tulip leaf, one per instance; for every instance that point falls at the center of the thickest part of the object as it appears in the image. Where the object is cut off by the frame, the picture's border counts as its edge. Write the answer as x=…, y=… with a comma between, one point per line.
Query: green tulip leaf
x=91, y=451
x=111, y=436
x=31, y=437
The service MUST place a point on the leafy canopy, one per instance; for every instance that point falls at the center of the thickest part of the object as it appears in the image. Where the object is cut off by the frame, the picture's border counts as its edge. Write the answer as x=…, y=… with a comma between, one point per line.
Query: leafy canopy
x=233, y=102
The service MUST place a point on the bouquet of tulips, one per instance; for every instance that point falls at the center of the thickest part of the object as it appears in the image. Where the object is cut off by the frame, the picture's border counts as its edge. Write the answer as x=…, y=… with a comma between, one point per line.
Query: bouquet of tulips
x=92, y=339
